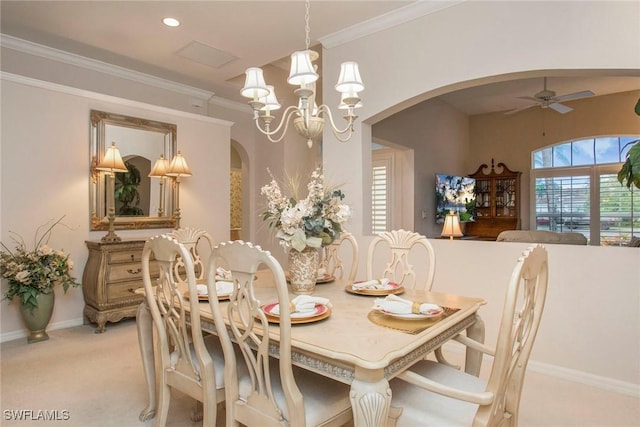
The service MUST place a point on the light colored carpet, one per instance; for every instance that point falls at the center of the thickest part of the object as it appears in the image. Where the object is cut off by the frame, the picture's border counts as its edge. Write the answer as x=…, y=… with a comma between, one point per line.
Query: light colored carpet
x=97, y=379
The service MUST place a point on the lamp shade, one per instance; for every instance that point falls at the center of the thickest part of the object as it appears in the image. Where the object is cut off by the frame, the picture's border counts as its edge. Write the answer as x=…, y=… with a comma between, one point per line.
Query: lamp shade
x=112, y=161
x=270, y=101
x=178, y=166
x=160, y=168
x=254, y=85
x=302, y=71
x=349, y=80
x=451, y=226
x=349, y=99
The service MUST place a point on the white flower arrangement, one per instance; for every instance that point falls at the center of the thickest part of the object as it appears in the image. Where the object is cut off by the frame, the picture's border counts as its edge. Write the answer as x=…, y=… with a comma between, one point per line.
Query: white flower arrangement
x=314, y=221
x=37, y=271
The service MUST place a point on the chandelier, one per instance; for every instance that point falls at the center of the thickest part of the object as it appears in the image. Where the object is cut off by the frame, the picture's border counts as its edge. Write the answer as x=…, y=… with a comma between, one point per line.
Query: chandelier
x=308, y=118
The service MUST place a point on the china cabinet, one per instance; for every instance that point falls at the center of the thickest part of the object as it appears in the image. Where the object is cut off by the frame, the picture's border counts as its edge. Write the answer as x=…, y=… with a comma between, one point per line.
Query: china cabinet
x=497, y=201
x=111, y=276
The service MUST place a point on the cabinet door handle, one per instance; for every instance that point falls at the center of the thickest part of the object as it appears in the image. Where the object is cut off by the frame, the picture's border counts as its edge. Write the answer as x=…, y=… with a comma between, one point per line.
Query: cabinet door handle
x=132, y=258
x=136, y=271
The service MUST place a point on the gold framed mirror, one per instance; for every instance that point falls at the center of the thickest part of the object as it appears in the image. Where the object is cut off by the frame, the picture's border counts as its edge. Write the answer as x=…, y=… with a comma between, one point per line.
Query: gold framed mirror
x=140, y=201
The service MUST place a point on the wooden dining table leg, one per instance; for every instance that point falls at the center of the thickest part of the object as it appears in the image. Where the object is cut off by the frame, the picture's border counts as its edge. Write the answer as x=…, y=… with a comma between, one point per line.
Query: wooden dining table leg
x=145, y=341
x=473, y=358
x=370, y=399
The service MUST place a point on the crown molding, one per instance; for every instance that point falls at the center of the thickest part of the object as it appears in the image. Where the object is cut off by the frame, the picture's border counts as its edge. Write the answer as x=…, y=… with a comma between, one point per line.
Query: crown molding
x=55, y=87
x=230, y=105
x=399, y=16
x=99, y=66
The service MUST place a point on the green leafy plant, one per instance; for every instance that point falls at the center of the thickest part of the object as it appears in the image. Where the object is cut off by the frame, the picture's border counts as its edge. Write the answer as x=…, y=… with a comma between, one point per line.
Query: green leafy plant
x=314, y=221
x=37, y=271
x=630, y=172
x=126, y=191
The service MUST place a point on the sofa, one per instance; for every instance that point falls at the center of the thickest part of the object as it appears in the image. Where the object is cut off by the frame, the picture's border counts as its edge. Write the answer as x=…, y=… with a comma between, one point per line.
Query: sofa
x=542, y=236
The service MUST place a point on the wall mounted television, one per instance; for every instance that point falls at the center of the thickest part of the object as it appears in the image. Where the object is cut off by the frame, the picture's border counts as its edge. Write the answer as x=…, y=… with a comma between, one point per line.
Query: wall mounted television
x=455, y=193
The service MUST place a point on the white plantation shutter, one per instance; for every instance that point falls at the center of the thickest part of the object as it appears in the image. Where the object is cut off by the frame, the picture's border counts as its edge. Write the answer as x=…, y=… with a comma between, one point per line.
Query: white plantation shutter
x=380, y=199
x=576, y=189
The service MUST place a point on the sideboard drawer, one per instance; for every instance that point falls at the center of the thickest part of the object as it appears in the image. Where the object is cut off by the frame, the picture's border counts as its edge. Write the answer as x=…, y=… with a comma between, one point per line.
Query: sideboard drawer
x=125, y=272
x=125, y=290
x=120, y=257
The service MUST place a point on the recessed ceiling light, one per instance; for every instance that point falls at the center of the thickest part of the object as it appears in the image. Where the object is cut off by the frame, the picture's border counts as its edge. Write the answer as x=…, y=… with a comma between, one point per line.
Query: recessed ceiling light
x=171, y=22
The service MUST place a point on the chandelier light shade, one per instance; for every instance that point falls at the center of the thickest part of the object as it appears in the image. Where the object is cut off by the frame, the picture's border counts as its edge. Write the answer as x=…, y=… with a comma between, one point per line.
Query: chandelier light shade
x=308, y=119
x=451, y=227
x=270, y=101
x=254, y=85
x=302, y=72
x=349, y=80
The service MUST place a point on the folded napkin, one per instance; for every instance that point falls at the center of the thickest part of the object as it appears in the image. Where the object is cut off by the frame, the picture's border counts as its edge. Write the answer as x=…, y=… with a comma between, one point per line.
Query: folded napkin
x=302, y=304
x=396, y=305
x=222, y=288
x=222, y=274
x=372, y=284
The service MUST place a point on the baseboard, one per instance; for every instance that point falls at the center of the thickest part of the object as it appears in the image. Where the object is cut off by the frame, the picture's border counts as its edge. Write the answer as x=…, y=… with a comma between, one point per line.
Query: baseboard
x=581, y=377
x=14, y=335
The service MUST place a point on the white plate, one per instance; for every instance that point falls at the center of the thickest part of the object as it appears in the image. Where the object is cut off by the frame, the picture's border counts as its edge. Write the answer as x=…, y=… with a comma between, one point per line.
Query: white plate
x=321, y=312
x=412, y=316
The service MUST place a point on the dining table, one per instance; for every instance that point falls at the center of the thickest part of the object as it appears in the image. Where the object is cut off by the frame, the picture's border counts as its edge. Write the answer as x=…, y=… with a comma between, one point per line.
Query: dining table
x=355, y=344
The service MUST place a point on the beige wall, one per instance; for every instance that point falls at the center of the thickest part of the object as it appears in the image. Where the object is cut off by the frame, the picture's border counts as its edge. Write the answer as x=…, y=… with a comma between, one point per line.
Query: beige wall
x=44, y=174
x=511, y=139
x=473, y=43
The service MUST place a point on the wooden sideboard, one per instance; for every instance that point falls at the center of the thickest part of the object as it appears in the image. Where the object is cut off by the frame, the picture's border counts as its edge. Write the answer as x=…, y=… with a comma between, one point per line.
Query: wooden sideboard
x=112, y=274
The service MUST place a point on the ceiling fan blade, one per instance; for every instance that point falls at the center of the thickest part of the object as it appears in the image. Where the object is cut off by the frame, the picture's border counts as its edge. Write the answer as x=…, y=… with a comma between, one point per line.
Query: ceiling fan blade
x=575, y=95
x=517, y=110
x=560, y=108
x=529, y=98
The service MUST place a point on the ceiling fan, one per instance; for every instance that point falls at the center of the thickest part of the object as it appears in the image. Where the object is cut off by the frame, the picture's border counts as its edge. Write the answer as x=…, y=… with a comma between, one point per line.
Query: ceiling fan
x=548, y=99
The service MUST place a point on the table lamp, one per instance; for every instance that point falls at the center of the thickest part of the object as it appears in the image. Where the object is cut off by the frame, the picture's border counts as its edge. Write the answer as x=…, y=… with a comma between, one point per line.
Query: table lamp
x=160, y=169
x=451, y=226
x=178, y=168
x=110, y=164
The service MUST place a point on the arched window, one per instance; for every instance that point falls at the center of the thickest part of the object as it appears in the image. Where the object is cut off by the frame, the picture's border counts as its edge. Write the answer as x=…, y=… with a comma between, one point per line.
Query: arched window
x=576, y=189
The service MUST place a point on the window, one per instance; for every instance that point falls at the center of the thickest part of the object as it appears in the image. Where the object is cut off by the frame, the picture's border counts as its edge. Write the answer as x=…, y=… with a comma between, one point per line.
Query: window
x=576, y=189
x=380, y=196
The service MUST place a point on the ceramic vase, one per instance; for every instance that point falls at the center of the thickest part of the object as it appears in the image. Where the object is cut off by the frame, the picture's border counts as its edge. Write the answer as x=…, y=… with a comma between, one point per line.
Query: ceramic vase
x=36, y=320
x=303, y=270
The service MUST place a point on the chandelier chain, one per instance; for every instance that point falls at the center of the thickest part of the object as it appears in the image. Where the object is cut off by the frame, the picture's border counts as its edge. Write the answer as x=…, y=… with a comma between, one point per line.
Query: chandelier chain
x=307, y=28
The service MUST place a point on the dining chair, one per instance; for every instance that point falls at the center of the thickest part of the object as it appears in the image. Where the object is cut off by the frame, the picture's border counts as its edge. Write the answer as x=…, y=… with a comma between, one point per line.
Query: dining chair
x=432, y=393
x=271, y=392
x=334, y=264
x=401, y=246
x=188, y=361
x=196, y=241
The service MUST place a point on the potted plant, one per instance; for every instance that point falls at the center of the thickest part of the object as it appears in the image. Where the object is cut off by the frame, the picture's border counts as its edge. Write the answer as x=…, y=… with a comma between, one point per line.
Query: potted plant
x=32, y=276
x=126, y=191
x=305, y=225
x=630, y=172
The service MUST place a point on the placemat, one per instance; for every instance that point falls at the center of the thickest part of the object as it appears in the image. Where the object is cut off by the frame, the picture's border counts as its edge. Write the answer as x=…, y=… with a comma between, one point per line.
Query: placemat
x=407, y=326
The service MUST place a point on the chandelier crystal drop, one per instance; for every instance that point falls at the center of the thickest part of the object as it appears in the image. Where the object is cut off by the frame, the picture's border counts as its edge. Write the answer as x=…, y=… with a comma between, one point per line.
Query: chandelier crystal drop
x=308, y=118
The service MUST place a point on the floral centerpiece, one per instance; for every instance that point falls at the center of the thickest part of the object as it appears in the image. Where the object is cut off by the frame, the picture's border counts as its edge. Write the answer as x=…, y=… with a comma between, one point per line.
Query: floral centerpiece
x=314, y=221
x=34, y=272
